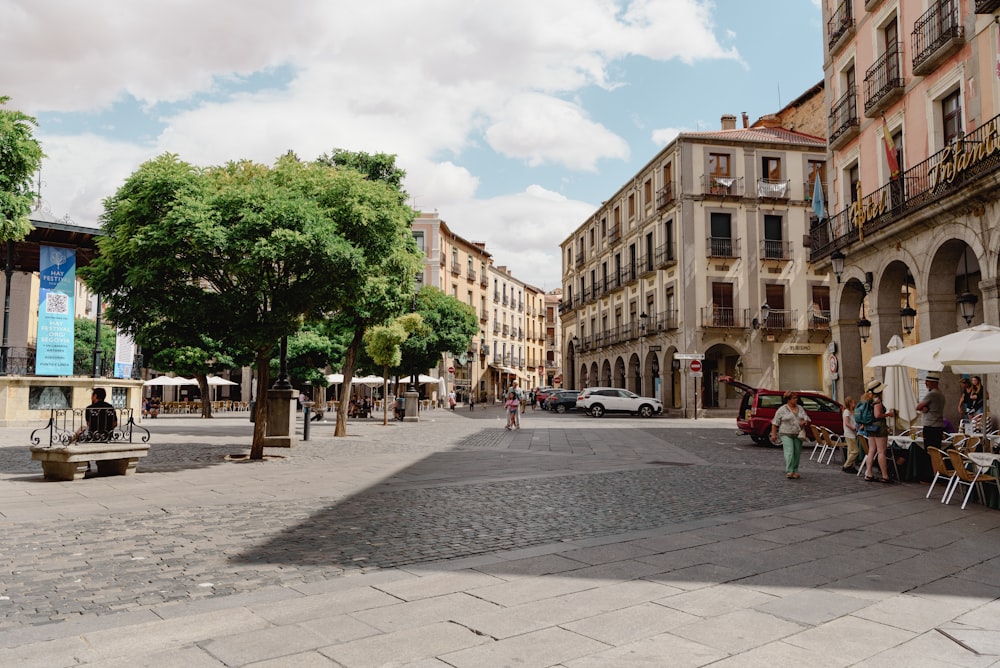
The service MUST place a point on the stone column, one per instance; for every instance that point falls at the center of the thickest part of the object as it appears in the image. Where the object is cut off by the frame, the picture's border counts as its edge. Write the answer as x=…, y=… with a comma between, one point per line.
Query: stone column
x=281, y=413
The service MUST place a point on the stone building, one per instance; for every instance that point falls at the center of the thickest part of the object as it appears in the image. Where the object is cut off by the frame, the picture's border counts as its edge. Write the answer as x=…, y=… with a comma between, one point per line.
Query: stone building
x=701, y=253
x=910, y=230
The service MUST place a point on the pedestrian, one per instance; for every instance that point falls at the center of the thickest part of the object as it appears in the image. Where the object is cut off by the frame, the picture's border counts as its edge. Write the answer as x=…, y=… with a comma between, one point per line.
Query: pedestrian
x=976, y=404
x=932, y=407
x=877, y=432
x=532, y=398
x=789, y=423
x=451, y=399
x=99, y=419
x=472, y=403
x=850, y=436
x=512, y=405
x=963, y=398
x=519, y=395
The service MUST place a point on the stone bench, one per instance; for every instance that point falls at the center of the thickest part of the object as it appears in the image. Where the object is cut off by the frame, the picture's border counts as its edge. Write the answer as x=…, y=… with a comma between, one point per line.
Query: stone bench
x=67, y=457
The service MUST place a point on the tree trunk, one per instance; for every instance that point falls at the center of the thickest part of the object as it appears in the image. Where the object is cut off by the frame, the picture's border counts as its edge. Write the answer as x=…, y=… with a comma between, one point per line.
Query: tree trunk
x=260, y=408
x=352, y=353
x=206, y=395
x=385, y=396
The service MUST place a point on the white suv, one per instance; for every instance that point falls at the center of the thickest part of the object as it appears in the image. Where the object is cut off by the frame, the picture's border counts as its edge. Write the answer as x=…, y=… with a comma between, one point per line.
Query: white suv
x=597, y=401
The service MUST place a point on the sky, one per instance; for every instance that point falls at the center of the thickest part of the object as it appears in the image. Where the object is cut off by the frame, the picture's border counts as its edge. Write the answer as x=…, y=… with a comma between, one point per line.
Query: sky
x=513, y=119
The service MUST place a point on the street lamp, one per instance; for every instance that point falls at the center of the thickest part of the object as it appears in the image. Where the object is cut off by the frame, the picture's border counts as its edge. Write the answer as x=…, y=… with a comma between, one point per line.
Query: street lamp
x=643, y=321
x=907, y=315
x=967, y=301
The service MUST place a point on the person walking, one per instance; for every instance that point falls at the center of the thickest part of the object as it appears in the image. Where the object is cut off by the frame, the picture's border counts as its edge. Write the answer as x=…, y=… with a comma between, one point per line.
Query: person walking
x=932, y=407
x=878, y=433
x=789, y=423
x=850, y=437
x=513, y=406
x=519, y=396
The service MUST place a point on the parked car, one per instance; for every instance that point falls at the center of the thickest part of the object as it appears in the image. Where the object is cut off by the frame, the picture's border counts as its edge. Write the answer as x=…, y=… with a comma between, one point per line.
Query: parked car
x=544, y=393
x=597, y=401
x=562, y=401
x=759, y=404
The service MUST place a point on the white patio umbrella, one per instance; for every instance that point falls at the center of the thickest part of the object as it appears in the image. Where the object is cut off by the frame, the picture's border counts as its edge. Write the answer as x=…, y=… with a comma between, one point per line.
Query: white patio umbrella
x=898, y=393
x=164, y=381
x=335, y=378
x=424, y=379
x=972, y=350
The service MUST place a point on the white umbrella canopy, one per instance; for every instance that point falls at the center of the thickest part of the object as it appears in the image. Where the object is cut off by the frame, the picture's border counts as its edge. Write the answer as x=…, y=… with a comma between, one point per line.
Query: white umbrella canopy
x=898, y=393
x=972, y=350
x=335, y=378
x=424, y=379
x=216, y=380
x=165, y=381
x=368, y=380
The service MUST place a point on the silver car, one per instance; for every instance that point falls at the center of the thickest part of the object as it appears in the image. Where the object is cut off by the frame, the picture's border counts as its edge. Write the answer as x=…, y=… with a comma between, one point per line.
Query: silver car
x=597, y=401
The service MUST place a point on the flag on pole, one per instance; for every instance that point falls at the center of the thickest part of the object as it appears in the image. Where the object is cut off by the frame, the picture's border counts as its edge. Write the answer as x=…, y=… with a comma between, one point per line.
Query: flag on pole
x=890, y=150
x=819, y=207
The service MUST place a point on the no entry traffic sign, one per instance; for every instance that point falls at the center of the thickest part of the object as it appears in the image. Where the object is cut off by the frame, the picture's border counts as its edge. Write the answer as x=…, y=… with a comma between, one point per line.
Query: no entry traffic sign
x=695, y=365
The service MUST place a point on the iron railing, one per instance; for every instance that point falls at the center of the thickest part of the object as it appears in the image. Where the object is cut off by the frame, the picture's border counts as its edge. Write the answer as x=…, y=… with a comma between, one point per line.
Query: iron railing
x=936, y=34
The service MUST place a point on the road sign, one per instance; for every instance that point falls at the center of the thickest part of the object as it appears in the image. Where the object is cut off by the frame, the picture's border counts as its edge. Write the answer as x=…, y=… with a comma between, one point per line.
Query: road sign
x=695, y=366
x=689, y=356
x=451, y=369
x=696, y=374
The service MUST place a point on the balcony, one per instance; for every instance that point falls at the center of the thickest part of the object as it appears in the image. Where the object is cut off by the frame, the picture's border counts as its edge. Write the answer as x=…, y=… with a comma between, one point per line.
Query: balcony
x=717, y=185
x=520, y=306
x=725, y=247
x=775, y=249
x=666, y=256
x=840, y=25
x=496, y=358
x=665, y=320
x=615, y=235
x=778, y=320
x=819, y=320
x=965, y=164
x=456, y=269
x=506, y=358
x=496, y=297
x=646, y=266
x=629, y=275
x=496, y=328
x=884, y=81
x=579, y=260
x=843, y=122
x=721, y=317
x=936, y=35
x=987, y=6
x=664, y=196
x=483, y=317
x=484, y=281
x=505, y=301
x=471, y=275
x=809, y=187
x=773, y=188
x=506, y=330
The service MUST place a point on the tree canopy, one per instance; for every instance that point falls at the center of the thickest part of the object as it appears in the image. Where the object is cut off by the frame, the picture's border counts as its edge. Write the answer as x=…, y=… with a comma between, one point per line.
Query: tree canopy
x=236, y=253
x=451, y=325
x=20, y=158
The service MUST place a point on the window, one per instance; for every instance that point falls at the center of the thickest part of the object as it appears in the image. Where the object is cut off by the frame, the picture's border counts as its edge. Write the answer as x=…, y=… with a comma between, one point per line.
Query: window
x=419, y=238
x=774, y=248
x=631, y=205
x=454, y=291
x=722, y=305
x=720, y=235
x=648, y=266
x=819, y=316
x=771, y=168
x=951, y=116
x=774, y=297
x=718, y=164
x=647, y=192
x=604, y=227
x=853, y=174
x=618, y=216
x=816, y=168
x=469, y=302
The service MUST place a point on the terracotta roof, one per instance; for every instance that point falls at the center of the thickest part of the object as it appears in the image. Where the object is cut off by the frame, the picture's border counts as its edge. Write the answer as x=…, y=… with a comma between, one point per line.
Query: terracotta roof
x=760, y=135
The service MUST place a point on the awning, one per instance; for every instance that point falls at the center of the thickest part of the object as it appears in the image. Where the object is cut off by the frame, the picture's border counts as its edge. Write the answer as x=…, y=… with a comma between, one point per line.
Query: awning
x=504, y=369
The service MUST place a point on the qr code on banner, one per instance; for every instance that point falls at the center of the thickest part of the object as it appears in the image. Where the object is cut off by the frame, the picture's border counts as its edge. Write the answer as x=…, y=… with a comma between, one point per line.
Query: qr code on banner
x=57, y=302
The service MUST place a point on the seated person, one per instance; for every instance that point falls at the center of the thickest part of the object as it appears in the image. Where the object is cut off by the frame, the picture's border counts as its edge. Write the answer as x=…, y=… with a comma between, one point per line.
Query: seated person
x=100, y=419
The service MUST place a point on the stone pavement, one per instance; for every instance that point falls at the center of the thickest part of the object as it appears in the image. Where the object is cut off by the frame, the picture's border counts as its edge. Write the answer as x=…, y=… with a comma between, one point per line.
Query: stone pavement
x=573, y=542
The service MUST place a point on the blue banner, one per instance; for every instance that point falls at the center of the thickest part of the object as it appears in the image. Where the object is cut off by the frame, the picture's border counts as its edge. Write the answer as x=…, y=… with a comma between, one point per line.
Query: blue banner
x=56, y=291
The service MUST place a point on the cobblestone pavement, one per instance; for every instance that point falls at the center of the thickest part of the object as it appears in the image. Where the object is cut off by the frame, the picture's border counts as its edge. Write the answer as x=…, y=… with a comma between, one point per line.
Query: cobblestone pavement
x=466, y=488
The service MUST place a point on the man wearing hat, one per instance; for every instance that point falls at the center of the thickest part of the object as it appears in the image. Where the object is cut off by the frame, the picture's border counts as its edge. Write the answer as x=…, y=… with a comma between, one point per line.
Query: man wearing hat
x=933, y=409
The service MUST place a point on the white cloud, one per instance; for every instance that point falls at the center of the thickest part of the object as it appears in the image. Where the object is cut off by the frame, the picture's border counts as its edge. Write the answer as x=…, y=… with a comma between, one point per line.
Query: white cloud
x=540, y=129
x=663, y=136
x=432, y=82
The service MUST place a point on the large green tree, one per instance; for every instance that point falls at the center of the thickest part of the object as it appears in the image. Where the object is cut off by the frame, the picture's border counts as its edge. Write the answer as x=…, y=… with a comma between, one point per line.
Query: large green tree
x=379, y=229
x=238, y=249
x=20, y=158
x=451, y=326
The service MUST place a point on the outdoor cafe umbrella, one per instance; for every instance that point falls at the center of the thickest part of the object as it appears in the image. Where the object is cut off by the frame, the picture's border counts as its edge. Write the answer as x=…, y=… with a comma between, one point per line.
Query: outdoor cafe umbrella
x=898, y=393
x=972, y=350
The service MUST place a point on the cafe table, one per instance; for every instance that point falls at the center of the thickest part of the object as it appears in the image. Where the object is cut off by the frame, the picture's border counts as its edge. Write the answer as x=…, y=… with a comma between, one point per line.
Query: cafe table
x=988, y=463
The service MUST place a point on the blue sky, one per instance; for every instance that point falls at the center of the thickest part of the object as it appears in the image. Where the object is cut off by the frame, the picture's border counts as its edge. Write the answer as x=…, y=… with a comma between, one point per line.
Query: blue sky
x=513, y=120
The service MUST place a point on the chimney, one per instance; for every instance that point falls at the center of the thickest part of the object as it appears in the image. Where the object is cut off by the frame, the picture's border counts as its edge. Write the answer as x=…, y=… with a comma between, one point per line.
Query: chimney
x=770, y=121
x=746, y=120
x=728, y=122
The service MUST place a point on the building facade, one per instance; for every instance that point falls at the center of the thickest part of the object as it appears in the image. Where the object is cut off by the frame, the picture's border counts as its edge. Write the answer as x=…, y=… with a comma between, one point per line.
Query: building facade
x=701, y=254
x=911, y=225
x=553, y=340
x=459, y=268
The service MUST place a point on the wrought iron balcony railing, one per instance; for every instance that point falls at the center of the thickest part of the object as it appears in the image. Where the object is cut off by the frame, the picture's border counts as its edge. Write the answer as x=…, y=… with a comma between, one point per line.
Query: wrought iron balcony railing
x=936, y=35
x=726, y=247
x=884, y=80
x=843, y=123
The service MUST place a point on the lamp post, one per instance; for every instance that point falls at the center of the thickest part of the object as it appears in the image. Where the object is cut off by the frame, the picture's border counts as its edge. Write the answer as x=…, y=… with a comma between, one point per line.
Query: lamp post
x=967, y=301
x=643, y=321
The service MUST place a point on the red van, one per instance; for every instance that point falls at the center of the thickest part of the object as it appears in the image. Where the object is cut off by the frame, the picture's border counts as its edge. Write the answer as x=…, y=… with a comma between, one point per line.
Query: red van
x=758, y=406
